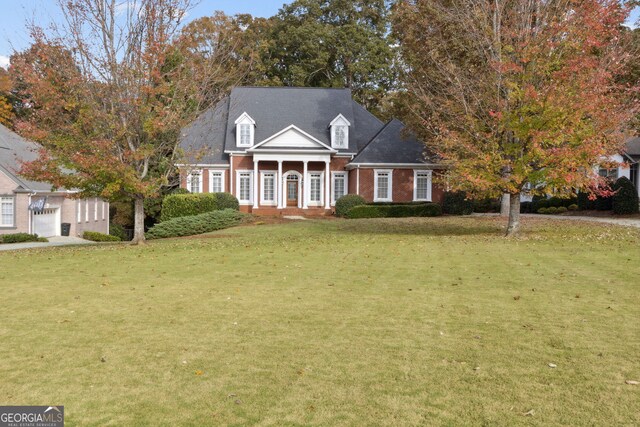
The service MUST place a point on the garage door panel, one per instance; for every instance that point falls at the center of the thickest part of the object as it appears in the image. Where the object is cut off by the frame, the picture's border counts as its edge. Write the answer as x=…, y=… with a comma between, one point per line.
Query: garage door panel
x=45, y=223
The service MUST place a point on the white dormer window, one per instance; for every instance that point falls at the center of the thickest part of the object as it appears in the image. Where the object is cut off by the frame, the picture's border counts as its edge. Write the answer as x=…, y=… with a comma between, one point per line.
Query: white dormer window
x=340, y=132
x=245, y=130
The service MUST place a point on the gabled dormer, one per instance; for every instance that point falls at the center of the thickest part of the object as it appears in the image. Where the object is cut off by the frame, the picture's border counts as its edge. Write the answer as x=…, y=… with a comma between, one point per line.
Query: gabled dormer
x=339, y=132
x=245, y=130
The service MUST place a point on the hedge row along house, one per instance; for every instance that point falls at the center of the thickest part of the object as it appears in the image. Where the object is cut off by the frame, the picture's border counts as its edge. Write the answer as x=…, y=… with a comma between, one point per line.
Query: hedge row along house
x=34, y=207
x=298, y=150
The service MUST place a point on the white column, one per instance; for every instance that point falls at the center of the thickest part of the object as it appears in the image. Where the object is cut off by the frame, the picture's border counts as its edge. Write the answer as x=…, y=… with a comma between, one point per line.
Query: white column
x=279, y=184
x=231, y=189
x=256, y=194
x=327, y=184
x=305, y=186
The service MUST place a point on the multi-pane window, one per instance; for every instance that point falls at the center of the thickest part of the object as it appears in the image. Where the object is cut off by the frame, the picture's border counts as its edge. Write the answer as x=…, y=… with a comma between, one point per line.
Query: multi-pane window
x=194, y=182
x=245, y=135
x=314, y=187
x=6, y=211
x=216, y=182
x=610, y=174
x=422, y=183
x=244, y=187
x=340, y=136
x=269, y=187
x=339, y=185
x=382, y=186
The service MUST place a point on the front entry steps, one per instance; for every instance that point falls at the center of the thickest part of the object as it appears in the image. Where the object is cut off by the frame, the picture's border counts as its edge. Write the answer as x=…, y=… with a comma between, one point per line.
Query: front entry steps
x=311, y=212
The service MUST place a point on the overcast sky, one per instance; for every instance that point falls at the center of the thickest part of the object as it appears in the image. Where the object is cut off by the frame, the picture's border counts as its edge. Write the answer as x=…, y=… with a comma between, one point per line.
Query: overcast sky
x=15, y=13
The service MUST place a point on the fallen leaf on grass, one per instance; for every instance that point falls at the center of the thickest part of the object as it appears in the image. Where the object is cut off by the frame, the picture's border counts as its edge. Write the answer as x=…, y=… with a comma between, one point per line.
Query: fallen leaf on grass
x=529, y=413
x=553, y=365
x=632, y=382
x=199, y=372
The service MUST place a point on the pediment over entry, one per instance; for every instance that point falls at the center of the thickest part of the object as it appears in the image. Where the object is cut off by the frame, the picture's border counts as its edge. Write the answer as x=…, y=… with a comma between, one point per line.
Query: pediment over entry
x=291, y=138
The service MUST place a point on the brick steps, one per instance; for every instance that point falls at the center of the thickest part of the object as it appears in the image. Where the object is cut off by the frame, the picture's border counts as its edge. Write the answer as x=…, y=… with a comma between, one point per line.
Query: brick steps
x=311, y=212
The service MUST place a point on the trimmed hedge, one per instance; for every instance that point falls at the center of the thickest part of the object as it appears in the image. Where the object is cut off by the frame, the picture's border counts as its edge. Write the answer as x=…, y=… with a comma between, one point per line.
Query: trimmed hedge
x=551, y=202
x=625, y=201
x=346, y=202
x=21, y=238
x=195, y=224
x=456, y=203
x=487, y=205
x=179, y=205
x=394, y=211
x=94, y=236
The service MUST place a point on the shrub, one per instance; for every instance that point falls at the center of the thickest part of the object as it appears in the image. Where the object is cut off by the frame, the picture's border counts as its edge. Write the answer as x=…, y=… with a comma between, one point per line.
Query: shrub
x=561, y=209
x=395, y=211
x=456, y=203
x=625, y=201
x=584, y=203
x=179, y=205
x=543, y=211
x=551, y=202
x=195, y=224
x=346, y=202
x=21, y=238
x=118, y=231
x=487, y=205
x=525, y=207
x=552, y=210
x=603, y=203
x=573, y=207
x=94, y=236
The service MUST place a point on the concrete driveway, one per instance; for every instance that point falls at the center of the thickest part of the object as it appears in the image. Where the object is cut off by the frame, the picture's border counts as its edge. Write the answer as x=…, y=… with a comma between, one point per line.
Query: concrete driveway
x=53, y=241
x=626, y=222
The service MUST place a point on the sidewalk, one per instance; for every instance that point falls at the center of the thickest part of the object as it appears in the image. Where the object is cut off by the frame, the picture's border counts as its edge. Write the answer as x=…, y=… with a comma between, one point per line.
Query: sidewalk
x=53, y=241
x=625, y=222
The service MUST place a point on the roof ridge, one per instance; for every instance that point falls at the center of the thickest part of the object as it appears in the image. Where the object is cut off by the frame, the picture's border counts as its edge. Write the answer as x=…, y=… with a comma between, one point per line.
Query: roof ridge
x=374, y=137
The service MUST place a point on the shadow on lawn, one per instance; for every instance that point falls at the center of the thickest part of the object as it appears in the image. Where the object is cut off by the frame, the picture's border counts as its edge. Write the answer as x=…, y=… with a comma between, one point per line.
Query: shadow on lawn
x=444, y=226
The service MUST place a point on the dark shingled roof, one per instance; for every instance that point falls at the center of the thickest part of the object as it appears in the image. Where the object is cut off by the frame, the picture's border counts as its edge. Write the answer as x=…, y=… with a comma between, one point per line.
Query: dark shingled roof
x=633, y=146
x=13, y=149
x=203, y=140
x=275, y=108
x=392, y=145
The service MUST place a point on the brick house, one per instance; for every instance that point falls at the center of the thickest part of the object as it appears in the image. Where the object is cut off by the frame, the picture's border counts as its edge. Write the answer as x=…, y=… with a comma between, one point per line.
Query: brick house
x=34, y=207
x=298, y=150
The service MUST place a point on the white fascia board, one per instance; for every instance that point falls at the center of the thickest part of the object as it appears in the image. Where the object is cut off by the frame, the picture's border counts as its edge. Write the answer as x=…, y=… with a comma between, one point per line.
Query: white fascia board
x=340, y=118
x=245, y=118
x=288, y=128
x=396, y=165
x=203, y=165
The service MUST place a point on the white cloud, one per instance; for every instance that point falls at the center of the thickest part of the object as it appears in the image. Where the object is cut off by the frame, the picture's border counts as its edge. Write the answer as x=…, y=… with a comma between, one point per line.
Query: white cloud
x=4, y=61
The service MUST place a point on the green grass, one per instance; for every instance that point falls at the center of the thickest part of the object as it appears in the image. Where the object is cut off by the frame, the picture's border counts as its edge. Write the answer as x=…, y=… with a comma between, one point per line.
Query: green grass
x=361, y=322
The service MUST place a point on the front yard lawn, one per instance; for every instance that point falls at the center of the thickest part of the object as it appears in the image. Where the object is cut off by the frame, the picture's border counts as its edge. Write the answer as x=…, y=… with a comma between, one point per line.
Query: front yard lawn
x=364, y=322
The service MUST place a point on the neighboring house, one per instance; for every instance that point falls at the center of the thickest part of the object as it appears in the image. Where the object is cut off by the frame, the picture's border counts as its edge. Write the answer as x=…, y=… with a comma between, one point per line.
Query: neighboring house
x=281, y=149
x=627, y=163
x=33, y=207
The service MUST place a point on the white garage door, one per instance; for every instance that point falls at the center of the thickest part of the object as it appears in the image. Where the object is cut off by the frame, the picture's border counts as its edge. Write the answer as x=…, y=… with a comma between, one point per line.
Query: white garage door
x=46, y=223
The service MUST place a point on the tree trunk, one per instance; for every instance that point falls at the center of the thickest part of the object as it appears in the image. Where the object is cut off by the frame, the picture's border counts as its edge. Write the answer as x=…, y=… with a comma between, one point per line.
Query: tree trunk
x=513, y=228
x=138, y=223
x=504, y=204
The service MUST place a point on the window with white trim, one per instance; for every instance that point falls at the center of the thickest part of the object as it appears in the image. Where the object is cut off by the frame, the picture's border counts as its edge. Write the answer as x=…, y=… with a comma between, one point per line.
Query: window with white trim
x=194, y=181
x=245, y=129
x=339, y=185
x=7, y=206
x=608, y=173
x=315, y=188
x=86, y=210
x=340, y=132
x=245, y=135
x=244, y=187
x=216, y=181
x=104, y=209
x=268, y=186
x=382, y=186
x=95, y=210
x=422, y=185
x=79, y=204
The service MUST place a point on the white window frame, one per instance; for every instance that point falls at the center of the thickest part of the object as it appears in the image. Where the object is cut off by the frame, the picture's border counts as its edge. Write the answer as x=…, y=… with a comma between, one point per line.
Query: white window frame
x=251, y=189
x=308, y=180
x=376, y=173
x=340, y=122
x=190, y=177
x=86, y=210
x=104, y=204
x=333, y=185
x=8, y=200
x=263, y=175
x=222, y=183
x=79, y=203
x=422, y=173
x=95, y=210
x=245, y=120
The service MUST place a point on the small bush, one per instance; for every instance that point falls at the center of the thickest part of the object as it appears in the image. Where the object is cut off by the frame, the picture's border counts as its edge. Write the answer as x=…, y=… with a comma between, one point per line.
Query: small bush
x=573, y=207
x=543, y=211
x=486, y=205
x=21, y=238
x=456, y=203
x=195, y=224
x=625, y=201
x=179, y=205
x=118, y=231
x=525, y=207
x=561, y=209
x=552, y=210
x=94, y=236
x=346, y=202
x=584, y=203
x=395, y=211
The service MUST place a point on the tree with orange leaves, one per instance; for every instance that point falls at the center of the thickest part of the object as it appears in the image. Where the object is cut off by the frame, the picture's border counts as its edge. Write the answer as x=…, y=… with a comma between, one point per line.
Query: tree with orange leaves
x=517, y=92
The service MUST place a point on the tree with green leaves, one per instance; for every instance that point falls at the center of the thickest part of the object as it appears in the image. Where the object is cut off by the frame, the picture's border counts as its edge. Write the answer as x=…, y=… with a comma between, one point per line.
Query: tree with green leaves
x=516, y=92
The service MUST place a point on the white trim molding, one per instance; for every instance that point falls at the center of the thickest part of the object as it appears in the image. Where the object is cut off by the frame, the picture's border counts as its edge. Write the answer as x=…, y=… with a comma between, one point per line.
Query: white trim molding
x=217, y=172
x=340, y=124
x=319, y=176
x=396, y=165
x=345, y=177
x=190, y=177
x=244, y=174
x=322, y=147
x=377, y=173
x=422, y=174
x=264, y=174
x=243, y=124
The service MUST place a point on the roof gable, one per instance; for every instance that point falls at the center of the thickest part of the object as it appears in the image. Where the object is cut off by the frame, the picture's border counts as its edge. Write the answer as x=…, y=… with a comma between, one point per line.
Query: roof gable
x=291, y=137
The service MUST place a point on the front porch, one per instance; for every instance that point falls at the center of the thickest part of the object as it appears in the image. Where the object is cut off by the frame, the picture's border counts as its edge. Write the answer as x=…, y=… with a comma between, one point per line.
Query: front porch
x=269, y=211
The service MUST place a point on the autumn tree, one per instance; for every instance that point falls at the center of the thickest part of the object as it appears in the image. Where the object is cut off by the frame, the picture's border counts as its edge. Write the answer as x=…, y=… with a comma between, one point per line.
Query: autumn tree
x=6, y=107
x=109, y=93
x=511, y=92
